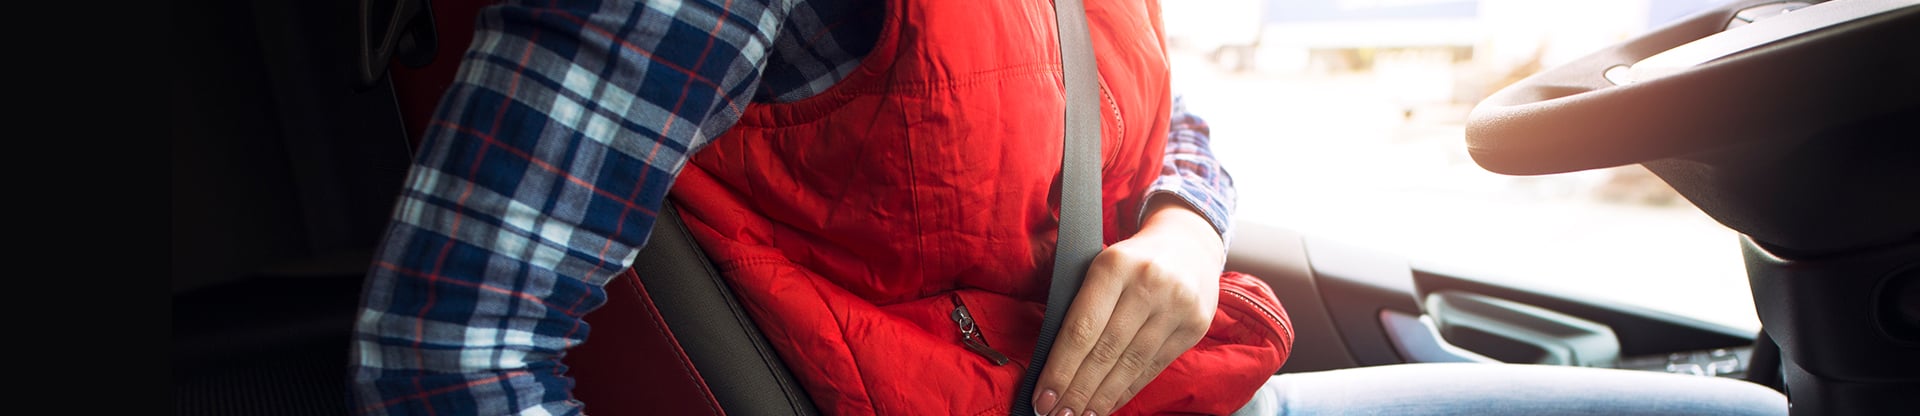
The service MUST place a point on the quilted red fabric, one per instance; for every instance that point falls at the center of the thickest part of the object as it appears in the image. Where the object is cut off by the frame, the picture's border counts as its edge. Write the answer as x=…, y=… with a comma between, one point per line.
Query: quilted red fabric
x=844, y=221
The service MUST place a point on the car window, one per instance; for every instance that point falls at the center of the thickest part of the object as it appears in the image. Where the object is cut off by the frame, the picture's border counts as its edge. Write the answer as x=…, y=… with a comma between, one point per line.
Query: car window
x=1344, y=119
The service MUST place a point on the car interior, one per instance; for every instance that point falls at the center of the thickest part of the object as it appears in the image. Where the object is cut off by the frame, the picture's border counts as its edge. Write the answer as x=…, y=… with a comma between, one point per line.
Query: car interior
x=1795, y=123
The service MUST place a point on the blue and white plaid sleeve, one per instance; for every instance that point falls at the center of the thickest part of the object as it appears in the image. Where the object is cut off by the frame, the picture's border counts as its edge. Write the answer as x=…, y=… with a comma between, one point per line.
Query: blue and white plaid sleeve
x=536, y=184
x=1190, y=172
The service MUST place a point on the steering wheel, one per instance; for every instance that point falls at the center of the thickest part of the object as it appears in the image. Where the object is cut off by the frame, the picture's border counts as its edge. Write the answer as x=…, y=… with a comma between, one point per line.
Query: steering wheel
x=1795, y=123
x=1697, y=84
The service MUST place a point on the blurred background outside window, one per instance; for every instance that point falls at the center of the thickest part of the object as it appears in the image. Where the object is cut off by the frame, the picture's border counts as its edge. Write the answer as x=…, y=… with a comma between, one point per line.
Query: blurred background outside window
x=1344, y=119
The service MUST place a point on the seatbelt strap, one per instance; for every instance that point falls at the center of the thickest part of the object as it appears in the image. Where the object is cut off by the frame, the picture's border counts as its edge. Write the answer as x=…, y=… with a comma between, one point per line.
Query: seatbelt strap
x=1080, y=214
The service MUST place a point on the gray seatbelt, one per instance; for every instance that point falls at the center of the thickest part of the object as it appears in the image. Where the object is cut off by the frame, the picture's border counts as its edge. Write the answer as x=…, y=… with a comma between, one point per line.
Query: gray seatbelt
x=1080, y=214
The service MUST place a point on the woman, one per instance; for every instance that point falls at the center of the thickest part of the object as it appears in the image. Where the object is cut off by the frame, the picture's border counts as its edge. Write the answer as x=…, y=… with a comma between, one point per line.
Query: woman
x=865, y=174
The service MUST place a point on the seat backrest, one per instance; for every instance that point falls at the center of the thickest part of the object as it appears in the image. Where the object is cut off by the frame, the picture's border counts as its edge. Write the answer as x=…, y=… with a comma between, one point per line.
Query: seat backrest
x=671, y=339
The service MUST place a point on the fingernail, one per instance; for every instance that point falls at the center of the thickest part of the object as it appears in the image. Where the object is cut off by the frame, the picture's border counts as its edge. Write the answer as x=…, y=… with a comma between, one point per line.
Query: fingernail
x=1065, y=412
x=1044, y=402
x=1092, y=413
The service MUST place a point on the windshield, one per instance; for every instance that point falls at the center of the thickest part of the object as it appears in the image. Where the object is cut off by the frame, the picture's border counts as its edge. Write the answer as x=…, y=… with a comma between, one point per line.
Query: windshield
x=1343, y=119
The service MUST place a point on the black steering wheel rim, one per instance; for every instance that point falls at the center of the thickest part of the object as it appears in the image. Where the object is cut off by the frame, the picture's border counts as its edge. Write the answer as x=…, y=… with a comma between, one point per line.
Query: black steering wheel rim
x=1572, y=118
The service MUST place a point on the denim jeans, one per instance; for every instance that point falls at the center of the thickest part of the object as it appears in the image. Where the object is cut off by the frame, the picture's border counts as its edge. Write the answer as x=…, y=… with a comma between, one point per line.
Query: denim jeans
x=1508, y=389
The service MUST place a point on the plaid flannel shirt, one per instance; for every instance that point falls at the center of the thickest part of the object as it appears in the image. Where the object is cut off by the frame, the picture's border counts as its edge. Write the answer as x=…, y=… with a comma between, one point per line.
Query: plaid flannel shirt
x=547, y=161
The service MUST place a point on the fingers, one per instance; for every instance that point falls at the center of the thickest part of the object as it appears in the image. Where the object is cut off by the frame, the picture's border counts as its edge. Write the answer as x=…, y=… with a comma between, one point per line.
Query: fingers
x=1136, y=312
x=1142, y=360
x=1083, y=328
x=1168, y=352
x=1124, y=349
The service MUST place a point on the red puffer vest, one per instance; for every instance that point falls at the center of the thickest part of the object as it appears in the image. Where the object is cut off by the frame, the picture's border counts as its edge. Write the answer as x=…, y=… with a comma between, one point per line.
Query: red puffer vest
x=846, y=222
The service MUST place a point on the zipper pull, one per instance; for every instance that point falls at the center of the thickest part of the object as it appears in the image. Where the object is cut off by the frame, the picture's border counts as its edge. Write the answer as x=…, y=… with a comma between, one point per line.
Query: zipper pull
x=970, y=335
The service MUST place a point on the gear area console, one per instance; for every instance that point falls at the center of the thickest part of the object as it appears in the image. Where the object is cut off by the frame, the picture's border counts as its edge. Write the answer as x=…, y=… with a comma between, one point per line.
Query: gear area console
x=1355, y=307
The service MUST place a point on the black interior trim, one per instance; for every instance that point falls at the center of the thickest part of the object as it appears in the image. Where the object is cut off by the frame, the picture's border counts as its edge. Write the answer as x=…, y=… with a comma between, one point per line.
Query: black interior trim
x=1357, y=284
x=1416, y=338
x=1335, y=294
x=1641, y=331
x=1515, y=332
x=1837, y=356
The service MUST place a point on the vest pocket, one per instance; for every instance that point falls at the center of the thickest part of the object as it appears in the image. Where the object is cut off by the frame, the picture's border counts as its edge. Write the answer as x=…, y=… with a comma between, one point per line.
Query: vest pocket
x=970, y=335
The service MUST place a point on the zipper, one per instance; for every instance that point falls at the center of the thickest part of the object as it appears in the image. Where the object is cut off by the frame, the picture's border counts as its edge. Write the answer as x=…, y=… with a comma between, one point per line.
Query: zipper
x=1272, y=317
x=970, y=335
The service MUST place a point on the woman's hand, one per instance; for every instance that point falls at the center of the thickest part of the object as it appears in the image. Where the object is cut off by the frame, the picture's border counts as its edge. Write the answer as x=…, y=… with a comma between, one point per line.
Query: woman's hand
x=1145, y=300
